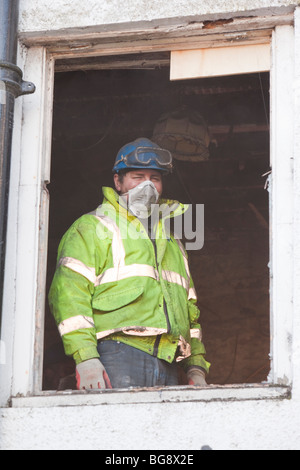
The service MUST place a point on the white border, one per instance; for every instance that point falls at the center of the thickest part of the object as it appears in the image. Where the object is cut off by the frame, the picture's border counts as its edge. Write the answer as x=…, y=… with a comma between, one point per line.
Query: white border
x=281, y=204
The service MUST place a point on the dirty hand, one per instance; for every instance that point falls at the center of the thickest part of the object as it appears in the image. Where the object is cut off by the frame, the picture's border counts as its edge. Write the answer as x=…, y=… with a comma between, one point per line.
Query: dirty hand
x=196, y=377
x=91, y=374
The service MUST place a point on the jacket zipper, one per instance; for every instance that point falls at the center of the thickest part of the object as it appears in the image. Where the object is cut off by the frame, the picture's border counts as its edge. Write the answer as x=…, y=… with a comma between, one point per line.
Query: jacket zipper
x=156, y=344
x=158, y=338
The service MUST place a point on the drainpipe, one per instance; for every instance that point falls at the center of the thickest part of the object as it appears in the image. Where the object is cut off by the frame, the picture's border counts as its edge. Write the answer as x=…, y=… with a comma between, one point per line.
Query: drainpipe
x=11, y=86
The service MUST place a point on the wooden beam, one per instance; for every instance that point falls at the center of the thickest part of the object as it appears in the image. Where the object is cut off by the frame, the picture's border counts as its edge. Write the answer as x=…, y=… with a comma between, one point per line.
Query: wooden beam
x=233, y=28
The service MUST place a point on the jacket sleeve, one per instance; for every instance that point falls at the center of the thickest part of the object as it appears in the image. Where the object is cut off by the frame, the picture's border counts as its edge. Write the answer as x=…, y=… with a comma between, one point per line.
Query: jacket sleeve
x=197, y=357
x=71, y=292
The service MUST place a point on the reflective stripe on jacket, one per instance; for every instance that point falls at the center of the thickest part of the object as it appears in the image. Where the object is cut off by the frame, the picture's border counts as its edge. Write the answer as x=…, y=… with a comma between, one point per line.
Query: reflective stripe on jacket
x=113, y=281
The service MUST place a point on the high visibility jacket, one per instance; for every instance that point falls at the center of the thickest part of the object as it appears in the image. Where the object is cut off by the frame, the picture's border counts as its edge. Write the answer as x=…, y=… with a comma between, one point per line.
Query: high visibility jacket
x=113, y=282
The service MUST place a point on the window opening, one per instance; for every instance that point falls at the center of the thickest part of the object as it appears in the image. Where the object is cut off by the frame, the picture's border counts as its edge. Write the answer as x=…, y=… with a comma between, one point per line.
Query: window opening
x=96, y=111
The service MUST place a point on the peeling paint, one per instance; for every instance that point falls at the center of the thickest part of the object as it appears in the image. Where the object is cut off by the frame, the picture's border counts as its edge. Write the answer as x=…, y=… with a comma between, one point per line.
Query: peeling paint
x=283, y=381
x=214, y=24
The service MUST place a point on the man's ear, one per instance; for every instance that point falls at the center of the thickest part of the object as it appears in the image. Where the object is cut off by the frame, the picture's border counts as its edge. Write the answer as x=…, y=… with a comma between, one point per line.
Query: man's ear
x=116, y=181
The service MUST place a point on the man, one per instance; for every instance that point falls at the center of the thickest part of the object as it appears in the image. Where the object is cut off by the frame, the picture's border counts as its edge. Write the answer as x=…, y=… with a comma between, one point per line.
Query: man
x=122, y=295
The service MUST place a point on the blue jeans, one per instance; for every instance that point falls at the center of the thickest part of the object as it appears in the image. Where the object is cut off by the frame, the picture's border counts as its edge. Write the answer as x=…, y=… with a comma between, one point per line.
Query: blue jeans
x=129, y=367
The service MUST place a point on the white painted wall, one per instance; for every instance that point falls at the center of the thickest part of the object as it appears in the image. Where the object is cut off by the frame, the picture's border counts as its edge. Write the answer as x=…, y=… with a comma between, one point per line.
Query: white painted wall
x=221, y=425
x=56, y=14
x=248, y=422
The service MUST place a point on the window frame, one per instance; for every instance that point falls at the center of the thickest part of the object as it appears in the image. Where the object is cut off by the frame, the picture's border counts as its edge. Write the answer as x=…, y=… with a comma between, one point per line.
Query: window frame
x=30, y=201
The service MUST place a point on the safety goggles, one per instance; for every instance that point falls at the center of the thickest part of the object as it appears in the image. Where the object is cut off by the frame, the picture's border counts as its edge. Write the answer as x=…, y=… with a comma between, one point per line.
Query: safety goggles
x=145, y=155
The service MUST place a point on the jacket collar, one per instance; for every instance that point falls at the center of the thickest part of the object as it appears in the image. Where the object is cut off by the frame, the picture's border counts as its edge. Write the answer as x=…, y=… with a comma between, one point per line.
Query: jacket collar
x=168, y=208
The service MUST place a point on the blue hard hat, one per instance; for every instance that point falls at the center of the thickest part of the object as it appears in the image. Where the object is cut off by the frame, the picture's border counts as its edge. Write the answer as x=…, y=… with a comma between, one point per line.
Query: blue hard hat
x=144, y=154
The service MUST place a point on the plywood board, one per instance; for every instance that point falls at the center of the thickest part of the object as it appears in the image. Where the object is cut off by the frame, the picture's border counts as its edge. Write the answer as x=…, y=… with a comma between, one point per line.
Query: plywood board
x=220, y=61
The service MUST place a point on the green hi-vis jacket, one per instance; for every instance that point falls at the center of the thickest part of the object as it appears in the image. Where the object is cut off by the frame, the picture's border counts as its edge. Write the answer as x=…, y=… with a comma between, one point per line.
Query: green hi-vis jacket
x=113, y=282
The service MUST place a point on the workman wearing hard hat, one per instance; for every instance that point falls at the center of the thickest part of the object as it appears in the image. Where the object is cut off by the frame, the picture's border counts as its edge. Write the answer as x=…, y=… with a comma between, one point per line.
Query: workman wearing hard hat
x=122, y=297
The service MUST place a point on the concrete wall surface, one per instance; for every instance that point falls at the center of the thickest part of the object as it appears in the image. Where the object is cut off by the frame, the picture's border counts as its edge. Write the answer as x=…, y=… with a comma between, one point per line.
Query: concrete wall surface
x=257, y=425
x=60, y=14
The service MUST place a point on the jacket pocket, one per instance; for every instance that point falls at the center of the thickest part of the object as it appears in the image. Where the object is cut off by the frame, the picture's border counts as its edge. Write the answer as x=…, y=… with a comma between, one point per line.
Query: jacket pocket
x=115, y=299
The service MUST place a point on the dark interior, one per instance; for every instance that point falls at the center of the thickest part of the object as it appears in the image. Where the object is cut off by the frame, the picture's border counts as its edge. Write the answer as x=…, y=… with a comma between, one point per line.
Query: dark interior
x=104, y=103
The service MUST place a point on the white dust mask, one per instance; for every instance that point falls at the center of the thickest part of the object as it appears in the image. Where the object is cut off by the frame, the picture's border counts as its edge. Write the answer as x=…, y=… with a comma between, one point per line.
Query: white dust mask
x=140, y=199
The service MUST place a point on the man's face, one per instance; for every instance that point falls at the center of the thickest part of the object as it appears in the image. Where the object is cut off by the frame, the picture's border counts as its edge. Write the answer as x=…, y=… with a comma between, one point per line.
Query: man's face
x=135, y=177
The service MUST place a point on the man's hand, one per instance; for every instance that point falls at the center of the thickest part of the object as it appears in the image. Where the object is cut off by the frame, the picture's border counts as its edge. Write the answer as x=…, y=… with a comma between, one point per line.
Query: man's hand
x=91, y=374
x=196, y=377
